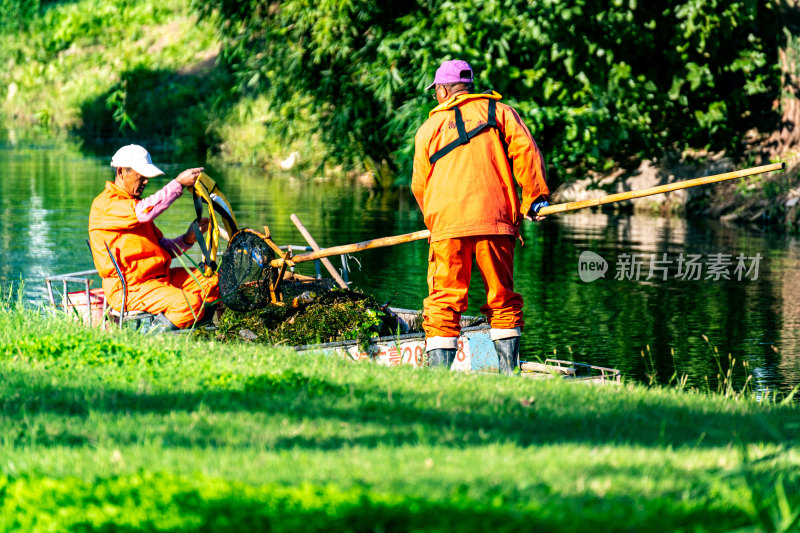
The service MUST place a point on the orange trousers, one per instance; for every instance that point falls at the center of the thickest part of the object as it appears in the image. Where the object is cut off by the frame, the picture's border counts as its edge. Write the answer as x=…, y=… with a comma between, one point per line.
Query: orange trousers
x=170, y=296
x=449, y=272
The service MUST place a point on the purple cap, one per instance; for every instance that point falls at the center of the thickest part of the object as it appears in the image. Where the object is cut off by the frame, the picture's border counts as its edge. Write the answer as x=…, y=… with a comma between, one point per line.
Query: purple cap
x=454, y=71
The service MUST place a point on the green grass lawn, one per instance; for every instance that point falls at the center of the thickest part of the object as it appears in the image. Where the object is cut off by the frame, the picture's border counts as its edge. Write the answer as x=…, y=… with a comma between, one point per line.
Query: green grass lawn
x=121, y=432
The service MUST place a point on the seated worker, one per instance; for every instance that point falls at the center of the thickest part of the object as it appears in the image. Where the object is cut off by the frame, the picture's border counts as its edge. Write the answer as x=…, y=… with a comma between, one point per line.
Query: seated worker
x=122, y=220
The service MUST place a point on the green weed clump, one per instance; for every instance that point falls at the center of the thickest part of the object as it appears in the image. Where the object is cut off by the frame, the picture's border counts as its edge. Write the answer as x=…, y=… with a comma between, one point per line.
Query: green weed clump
x=336, y=315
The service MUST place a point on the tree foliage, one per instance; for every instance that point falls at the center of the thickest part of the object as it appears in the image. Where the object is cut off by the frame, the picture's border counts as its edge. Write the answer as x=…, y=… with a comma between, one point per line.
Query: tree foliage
x=595, y=81
x=15, y=14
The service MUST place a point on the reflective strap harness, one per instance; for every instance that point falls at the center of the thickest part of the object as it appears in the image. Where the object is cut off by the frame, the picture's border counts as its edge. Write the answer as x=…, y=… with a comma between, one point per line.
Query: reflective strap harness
x=463, y=135
x=206, y=191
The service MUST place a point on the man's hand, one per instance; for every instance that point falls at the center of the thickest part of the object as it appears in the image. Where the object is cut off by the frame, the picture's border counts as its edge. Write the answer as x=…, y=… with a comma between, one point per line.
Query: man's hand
x=189, y=237
x=188, y=177
x=537, y=218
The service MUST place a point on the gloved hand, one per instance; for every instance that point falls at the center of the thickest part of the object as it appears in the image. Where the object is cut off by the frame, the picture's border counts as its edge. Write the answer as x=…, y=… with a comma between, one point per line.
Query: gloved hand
x=537, y=204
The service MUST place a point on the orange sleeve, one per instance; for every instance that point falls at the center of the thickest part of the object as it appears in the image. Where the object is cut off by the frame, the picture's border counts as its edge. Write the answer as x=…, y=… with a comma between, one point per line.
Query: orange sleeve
x=527, y=160
x=422, y=166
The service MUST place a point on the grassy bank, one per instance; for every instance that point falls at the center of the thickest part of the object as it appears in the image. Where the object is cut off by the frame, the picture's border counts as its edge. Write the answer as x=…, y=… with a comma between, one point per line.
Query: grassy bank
x=77, y=53
x=116, y=71
x=102, y=431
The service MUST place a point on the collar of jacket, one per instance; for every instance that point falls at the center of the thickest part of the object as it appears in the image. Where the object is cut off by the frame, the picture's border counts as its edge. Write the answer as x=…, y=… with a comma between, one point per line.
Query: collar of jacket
x=119, y=191
x=461, y=98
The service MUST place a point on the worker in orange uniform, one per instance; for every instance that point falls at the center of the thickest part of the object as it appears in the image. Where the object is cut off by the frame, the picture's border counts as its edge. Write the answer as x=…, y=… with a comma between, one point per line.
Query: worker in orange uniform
x=121, y=220
x=469, y=157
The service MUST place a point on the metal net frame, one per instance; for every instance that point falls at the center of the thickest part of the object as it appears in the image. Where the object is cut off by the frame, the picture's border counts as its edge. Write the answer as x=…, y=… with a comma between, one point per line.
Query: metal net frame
x=245, y=274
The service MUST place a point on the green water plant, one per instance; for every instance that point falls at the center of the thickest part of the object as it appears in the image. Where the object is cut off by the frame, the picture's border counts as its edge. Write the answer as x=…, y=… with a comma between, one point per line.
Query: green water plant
x=335, y=315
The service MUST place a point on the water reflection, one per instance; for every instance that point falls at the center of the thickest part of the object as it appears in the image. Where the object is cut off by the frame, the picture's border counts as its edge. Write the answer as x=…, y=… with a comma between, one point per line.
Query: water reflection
x=39, y=249
x=45, y=194
x=787, y=302
x=616, y=320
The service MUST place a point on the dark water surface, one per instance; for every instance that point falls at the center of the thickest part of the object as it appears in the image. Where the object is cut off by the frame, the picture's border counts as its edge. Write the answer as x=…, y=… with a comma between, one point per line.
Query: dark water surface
x=46, y=191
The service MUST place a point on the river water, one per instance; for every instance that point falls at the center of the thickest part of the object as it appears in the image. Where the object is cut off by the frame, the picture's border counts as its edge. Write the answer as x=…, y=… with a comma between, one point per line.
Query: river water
x=664, y=290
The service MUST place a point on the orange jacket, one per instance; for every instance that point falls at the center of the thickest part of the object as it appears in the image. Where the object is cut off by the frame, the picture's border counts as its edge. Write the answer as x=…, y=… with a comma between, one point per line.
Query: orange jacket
x=134, y=244
x=471, y=190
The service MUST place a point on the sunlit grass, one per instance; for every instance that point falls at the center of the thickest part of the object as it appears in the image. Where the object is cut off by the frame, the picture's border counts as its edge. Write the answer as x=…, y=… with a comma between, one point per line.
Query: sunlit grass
x=83, y=411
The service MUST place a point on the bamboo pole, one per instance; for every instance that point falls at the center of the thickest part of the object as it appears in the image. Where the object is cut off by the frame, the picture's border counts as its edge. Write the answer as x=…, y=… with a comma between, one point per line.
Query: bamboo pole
x=549, y=210
x=311, y=242
x=357, y=247
x=629, y=195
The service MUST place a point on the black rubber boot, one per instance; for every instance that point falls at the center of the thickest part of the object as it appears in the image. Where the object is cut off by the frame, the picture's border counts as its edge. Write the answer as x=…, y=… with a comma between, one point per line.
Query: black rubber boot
x=161, y=324
x=441, y=357
x=508, y=354
x=209, y=316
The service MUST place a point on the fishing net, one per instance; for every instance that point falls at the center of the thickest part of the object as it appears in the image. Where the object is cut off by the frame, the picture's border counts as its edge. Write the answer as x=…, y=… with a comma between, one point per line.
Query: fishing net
x=245, y=273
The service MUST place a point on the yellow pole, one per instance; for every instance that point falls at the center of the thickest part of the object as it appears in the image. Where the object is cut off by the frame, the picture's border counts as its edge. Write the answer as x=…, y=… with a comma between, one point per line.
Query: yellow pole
x=628, y=195
x=549, y=210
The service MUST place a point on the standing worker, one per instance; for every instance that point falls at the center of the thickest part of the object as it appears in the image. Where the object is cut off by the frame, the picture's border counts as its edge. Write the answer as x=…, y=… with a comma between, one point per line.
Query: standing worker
x=468, y=155
x=121, y=220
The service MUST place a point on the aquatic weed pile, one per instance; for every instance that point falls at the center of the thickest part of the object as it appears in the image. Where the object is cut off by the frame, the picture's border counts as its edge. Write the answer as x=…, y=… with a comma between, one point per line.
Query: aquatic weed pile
x=335, y=315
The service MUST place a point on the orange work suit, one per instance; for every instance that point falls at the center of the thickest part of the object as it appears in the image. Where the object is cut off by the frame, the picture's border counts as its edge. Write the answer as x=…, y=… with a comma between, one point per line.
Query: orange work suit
x=152, y=286
x=470, y=205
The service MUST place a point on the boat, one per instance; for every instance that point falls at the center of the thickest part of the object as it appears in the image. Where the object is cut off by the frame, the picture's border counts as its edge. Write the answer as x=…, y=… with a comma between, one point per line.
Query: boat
x=475, y=351
x=89, y=306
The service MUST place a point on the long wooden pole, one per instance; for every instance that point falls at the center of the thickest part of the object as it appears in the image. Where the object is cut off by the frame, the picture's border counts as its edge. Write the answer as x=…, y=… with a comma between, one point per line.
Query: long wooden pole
x=629, y=195
x=357, y=247
x=549, y=210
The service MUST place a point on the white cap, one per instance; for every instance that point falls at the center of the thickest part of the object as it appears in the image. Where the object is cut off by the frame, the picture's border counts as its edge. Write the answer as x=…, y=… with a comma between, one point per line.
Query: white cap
x=135, y=157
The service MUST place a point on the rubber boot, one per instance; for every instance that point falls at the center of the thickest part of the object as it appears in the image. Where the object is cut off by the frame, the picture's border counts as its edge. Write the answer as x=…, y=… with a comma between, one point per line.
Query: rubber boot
x=441, y=357
x=161, y=324
x=208, y=316
x=508, y=354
